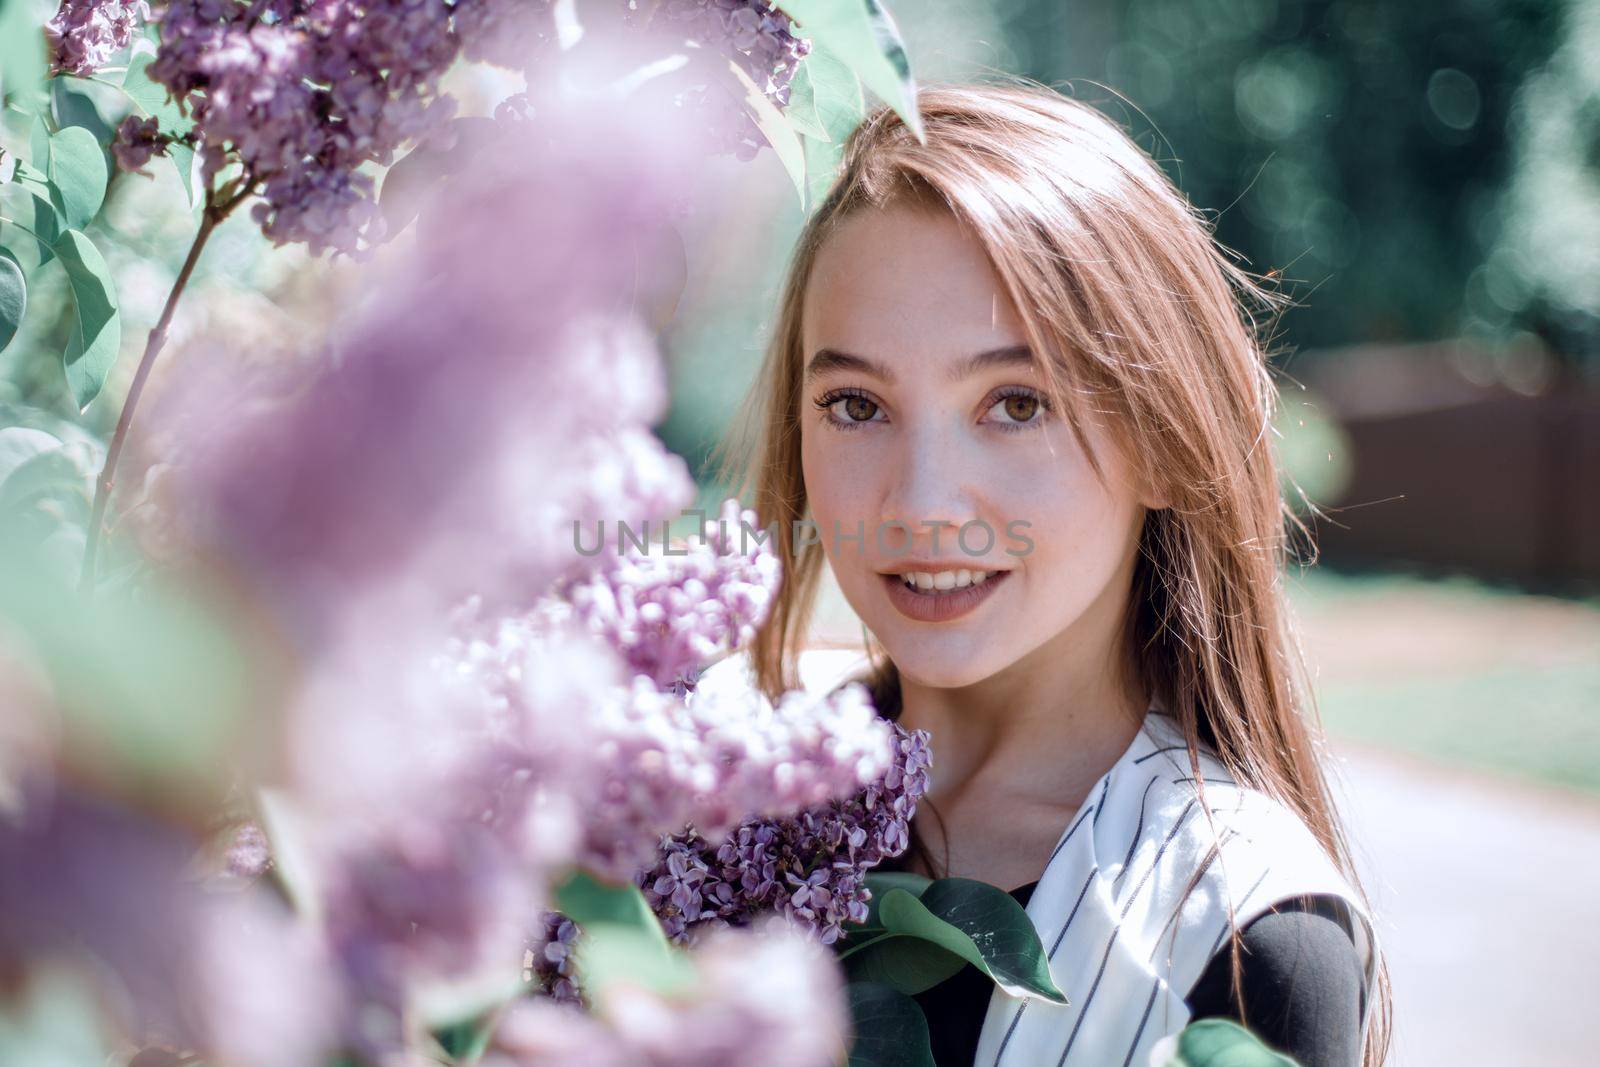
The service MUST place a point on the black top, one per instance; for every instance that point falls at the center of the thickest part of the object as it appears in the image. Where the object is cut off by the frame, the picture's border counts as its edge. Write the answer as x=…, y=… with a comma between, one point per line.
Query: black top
x=1300, y=973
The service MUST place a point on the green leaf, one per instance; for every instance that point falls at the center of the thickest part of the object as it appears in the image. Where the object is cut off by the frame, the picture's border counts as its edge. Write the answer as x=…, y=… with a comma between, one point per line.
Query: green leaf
x=982, y=924
x=907, y=964
x=465, y=1041
x=96, y=335
x=879, y=883
x=1217, y=1043
x=890, y=1029
x=13, y=297
x=22, y=51
x=154, y=693
x=822, y=167
x=588, y=901
x=77, y=168
x=825, y=97
x=609, y=956
x=152, y=98
x=779, y=134
x=619, y=939
x=31, y=200
x=862, y=34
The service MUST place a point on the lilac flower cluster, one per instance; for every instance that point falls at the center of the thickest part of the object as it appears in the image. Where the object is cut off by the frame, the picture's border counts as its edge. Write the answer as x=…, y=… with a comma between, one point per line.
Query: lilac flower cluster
x=377, y=455
x=549, y=963
x=756, y=35
x=669, y=614
x=811, y=867
x=85, y=34
x=302, y=93
x=764, y=997
x=137, y=140
x=514, y=34
x=670, y=764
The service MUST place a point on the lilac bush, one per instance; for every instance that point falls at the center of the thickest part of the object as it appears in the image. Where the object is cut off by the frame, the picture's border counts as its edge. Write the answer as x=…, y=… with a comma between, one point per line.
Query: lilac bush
x=451, y=710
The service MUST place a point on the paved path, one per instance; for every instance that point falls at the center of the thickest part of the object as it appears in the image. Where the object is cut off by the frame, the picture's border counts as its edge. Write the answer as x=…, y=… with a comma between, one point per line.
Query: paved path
x=1489, y=910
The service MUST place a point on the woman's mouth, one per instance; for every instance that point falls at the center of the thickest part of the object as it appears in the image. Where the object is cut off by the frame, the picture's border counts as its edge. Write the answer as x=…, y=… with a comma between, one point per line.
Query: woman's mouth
x=941, y=595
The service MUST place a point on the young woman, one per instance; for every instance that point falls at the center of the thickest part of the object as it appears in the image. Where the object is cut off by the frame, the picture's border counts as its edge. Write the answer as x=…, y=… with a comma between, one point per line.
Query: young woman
x=1017, y=401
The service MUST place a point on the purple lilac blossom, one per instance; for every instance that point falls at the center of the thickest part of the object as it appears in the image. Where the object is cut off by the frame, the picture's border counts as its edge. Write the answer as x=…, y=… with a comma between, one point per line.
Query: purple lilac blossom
x=549, y=962
x=486, y=393
x=85, y=878
x=136, y=141
x=668, y=613
x=762, y=997
x=639, y=763
x=303, y=100
x=811, y=867
x=84, y=35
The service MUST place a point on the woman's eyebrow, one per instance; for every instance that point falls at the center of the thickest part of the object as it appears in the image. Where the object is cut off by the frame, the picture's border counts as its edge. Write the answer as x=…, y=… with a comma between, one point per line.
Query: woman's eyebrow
x=827, y=360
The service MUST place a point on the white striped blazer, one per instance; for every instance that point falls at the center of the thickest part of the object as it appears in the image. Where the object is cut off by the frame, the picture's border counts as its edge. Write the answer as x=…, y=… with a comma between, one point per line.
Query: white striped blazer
x=1126, y=936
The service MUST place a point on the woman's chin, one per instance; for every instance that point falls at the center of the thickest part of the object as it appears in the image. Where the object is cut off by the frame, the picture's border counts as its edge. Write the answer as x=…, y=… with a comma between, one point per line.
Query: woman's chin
x=940, y=663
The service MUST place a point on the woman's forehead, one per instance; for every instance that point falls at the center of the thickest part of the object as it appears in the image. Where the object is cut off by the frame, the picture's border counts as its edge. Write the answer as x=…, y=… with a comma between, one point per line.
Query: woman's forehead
x=900, y=283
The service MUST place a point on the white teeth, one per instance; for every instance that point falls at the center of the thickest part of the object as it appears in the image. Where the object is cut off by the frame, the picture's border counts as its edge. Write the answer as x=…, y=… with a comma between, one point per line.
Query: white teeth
x=926, y=580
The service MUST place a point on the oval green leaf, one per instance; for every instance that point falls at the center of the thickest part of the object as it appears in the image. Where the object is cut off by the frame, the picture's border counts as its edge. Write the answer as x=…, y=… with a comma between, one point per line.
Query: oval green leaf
x=889, y=1028
x=824, y=97
x=13, y=297
x=1217, y=1043
x=588, y=901
x=863, y=35
x=982, y=924
x=31, y=200
x=907, y=964
x=96, y=334
x=879, y=883
x=77, y=168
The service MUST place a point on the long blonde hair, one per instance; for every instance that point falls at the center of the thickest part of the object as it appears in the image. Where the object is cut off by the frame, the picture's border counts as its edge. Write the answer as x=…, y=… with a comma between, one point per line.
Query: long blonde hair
x=1144, y=314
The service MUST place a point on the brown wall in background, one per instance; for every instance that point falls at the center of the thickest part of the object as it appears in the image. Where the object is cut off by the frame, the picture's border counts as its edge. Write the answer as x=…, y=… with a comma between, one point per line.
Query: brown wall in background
x=1451, y=474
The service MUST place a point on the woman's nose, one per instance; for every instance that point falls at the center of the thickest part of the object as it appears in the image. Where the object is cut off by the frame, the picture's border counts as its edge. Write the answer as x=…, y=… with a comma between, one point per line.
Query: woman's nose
x=928, y=486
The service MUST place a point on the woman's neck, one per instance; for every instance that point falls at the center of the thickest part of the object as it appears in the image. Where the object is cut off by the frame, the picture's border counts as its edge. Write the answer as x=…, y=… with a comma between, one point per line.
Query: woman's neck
x=1043, y=730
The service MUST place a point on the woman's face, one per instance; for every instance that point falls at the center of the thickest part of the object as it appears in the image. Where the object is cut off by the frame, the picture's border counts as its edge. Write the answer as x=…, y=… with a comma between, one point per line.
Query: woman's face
x=923, y=417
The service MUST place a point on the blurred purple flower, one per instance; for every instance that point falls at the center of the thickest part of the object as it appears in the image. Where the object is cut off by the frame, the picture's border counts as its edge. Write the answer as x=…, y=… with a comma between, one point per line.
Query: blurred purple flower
x=668, y=612
x=757, y=36
x=763, y=997
x=231, y=973
x=487, y=394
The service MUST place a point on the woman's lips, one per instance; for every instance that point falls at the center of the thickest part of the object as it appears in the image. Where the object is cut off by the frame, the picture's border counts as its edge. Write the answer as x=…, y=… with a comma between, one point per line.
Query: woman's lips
x=939, y=605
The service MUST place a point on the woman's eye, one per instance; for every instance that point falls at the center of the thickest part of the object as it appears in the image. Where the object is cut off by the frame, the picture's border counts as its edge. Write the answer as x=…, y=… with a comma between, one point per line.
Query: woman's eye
x=1018, y=409
x=850, y=410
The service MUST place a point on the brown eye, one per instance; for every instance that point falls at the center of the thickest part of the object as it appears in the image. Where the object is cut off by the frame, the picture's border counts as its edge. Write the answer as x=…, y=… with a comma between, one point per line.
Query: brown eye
x=859, y=408
x=1021, y=408
x=1018, y=411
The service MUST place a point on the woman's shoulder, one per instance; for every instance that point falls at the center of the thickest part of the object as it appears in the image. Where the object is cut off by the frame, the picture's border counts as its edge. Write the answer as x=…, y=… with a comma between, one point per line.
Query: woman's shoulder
x=1209, y=821
x=1190, y=852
